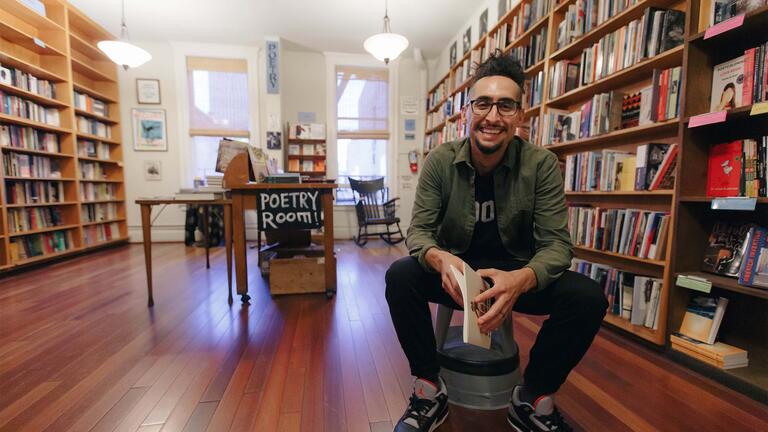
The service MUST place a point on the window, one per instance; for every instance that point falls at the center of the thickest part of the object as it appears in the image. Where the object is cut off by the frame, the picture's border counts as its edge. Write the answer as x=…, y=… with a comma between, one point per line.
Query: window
x=362, y=115
x=218, y=107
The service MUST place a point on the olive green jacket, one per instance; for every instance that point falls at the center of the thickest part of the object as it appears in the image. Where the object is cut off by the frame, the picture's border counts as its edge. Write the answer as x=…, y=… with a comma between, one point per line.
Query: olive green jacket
x=530, y=207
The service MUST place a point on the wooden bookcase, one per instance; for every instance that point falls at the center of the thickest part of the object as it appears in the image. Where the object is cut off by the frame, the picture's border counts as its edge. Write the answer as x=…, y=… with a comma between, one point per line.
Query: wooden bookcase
x=309, y=151
x=61, y=47
x=745, y=324
x=628, y=80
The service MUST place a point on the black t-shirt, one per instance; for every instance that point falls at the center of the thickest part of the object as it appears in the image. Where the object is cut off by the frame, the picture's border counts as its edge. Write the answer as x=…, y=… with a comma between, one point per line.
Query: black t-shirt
x=486, y=242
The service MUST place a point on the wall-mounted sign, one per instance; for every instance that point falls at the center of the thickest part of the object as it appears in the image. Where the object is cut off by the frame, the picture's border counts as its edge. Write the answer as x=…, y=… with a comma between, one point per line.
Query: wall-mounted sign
x=273, y=72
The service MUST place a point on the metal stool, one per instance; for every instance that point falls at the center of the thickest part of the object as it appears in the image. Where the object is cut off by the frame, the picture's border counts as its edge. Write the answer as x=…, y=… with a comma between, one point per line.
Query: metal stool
x=477, y=378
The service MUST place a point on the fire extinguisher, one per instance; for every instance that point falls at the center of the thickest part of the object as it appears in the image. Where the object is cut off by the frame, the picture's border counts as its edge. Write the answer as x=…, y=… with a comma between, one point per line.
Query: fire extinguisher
x=413, y=159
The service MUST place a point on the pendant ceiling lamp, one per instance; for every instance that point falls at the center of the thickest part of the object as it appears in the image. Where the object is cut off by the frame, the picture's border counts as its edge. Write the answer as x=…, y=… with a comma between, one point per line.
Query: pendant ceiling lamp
x=386, y=46
x=123, y=52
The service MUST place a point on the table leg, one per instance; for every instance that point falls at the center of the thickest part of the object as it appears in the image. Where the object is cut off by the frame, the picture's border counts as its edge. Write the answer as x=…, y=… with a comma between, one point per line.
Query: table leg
x=206, y=235
x=330, y=258
x=228, y=245
x=238, y=233
x=146, y=227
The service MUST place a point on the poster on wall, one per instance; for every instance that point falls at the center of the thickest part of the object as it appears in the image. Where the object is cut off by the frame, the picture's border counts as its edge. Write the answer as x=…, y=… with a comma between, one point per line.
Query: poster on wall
x=502, y=9
x=483, y=23
x=467, y=40
x=274, y=140
x=153, y=170
x=149, y=130
x=453, y=53
x=148, y=91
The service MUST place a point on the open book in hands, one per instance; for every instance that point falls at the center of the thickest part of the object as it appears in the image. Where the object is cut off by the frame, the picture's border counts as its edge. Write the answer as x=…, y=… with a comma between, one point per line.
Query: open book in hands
x=472, y=285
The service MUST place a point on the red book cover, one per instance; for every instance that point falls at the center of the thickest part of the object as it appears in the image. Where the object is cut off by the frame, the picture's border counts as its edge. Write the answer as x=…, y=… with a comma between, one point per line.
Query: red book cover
x=661, y=108
x=749, y=76
x=724, y=169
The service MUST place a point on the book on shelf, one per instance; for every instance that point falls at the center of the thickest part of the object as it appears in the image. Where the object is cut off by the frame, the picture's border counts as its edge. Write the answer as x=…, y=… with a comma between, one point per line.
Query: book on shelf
x=754, y=264
x=24, y=165
x=726, y=246
x=307, y=165
x=716, y=11
x=755, y=83
x=14, y=77
x=33, y=192
x=27, y=219
x=100, y=233
x=633, y=297
x=24, y=108
x=650, y=158
x=93, y=127
x=718, y=354
x=306, y=131
x=472, y=285
x=605, y=171
x=98, y=212
x=227, y=151
x=727, y=83
x=738, y=168
x=702, y=318
x=31, y=246
x=293, y=165
x=92, y=149
x=90, y=104
x=664, y=176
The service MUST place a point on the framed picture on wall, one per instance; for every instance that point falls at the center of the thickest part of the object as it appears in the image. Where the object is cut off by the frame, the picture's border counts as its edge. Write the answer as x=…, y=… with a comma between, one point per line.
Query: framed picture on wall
x=452, y=53
x=483, y=23
x=466, y=42
x=148, y=91
x=153, y=170
x=149, y=130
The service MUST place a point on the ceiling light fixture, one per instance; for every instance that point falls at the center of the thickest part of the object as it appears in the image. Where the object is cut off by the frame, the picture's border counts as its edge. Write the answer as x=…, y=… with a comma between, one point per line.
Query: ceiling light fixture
x=386, y=46
x=123, y=52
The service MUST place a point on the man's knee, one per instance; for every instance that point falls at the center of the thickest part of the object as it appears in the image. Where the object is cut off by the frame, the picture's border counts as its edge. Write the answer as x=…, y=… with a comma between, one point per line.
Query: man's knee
x=399, y=276
x=589, y=297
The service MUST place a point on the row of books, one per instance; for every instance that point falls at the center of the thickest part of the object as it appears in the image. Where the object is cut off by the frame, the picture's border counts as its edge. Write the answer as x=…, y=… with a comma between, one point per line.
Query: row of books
x=532, y=52
x=90, y=104
x=98, y=212
x=718, y=354
x=26, y=109
x=24, y=165
x=436, y=96
x=27, y=219
x=97, y=191
x=533, y=130
x=456, y=129
x=738, y=250
x=92, y=149
x=631, y=296
x=11, y=76
x=533, y=90
x=437, y=117
x=740, y=81
x=464, y=71
x=433, y=140
x=584, y=15
x=652, y=168
x=738, y=168
x=606, y=112
x=92, y=171
x=631, y=232
x=306, y=149
x=28, y=138
x=713, y=12
x=40, y=244
x=33, y=192
x=618, y=50
x=93, y=127
x=306, y=165
x=94, y=234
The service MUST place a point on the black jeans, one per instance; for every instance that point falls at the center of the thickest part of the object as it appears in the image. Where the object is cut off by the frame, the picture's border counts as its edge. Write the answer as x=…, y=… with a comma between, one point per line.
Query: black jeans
x=575, y=304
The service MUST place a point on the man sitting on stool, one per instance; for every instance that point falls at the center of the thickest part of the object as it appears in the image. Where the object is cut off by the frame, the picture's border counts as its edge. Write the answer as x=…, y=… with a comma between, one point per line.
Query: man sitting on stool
x=496, y=202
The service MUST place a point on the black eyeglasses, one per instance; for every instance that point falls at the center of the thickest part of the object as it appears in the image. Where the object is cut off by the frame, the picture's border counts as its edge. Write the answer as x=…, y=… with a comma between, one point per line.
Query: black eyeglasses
x=505, y=107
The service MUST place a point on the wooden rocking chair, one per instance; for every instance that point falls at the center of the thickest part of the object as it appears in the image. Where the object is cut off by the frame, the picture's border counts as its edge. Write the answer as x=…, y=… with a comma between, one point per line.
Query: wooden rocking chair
x=373, y=208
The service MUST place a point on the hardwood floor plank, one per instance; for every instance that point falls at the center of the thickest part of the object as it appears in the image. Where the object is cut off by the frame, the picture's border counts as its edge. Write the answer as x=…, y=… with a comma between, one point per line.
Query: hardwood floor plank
x=18, y=406
x=115, y=415
x=200, y=417
x=289, y=422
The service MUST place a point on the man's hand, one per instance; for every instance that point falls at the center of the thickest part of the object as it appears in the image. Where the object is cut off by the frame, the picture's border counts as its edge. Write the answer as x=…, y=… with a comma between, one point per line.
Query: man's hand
x=507, y=287
x=441, y=262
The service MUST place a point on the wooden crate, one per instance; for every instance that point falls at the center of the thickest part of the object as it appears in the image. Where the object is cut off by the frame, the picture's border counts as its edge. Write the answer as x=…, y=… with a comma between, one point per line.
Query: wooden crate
x=296, y=275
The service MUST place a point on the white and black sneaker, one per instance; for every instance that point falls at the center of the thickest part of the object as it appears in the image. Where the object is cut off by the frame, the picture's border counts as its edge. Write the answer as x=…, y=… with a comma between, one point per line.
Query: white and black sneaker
x=541, y=416
x=427, y=409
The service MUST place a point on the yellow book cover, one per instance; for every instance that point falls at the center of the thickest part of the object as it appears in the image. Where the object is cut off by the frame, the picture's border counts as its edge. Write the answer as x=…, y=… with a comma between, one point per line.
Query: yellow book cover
x=626, y=177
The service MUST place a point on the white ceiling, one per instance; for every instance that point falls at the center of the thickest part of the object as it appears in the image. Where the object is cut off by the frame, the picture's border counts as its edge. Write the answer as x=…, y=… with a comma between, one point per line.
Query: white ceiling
x=322, y=25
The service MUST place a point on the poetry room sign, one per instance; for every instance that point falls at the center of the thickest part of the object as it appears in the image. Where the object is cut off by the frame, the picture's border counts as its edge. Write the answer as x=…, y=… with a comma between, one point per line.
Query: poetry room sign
x=290, y=210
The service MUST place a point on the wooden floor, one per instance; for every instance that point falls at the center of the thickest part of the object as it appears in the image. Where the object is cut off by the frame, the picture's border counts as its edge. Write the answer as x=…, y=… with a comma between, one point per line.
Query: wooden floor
x=80, y=351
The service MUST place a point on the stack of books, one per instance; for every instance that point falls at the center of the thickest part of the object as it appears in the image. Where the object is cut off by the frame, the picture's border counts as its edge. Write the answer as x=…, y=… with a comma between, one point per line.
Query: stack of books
x=719, y=355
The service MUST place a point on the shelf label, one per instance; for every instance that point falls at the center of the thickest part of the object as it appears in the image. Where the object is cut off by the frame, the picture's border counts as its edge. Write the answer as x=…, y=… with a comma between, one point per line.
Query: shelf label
x=734, y=203
x=706, y=119
x=694, y=283
x=759, y=108
x=724, y=26
x=38, y=42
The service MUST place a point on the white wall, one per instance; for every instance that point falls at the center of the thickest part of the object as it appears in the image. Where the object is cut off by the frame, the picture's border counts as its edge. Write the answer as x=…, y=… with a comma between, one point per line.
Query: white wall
x=303, y=84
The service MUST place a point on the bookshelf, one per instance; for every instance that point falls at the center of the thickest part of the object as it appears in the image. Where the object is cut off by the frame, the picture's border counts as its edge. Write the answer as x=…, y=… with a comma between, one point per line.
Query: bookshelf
x=306, y=157
x=43, y=210
x=540, y=34
x=745, y=323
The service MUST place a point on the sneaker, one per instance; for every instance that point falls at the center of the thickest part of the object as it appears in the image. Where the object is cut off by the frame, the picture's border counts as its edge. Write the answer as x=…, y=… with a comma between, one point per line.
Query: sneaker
x=427, y=409
x=542, y=416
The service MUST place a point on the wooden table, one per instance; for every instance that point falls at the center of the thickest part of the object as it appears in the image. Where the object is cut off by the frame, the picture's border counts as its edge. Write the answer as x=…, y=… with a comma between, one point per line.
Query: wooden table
x=146, y=227
x=246, y=196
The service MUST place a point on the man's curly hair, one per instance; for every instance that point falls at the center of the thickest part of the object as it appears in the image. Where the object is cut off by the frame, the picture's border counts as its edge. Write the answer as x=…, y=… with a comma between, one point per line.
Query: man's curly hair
x=499, y=64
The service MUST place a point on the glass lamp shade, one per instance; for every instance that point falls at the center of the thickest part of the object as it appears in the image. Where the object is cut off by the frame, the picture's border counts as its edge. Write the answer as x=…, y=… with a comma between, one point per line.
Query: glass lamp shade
x=386, y=46
x=123, y=53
